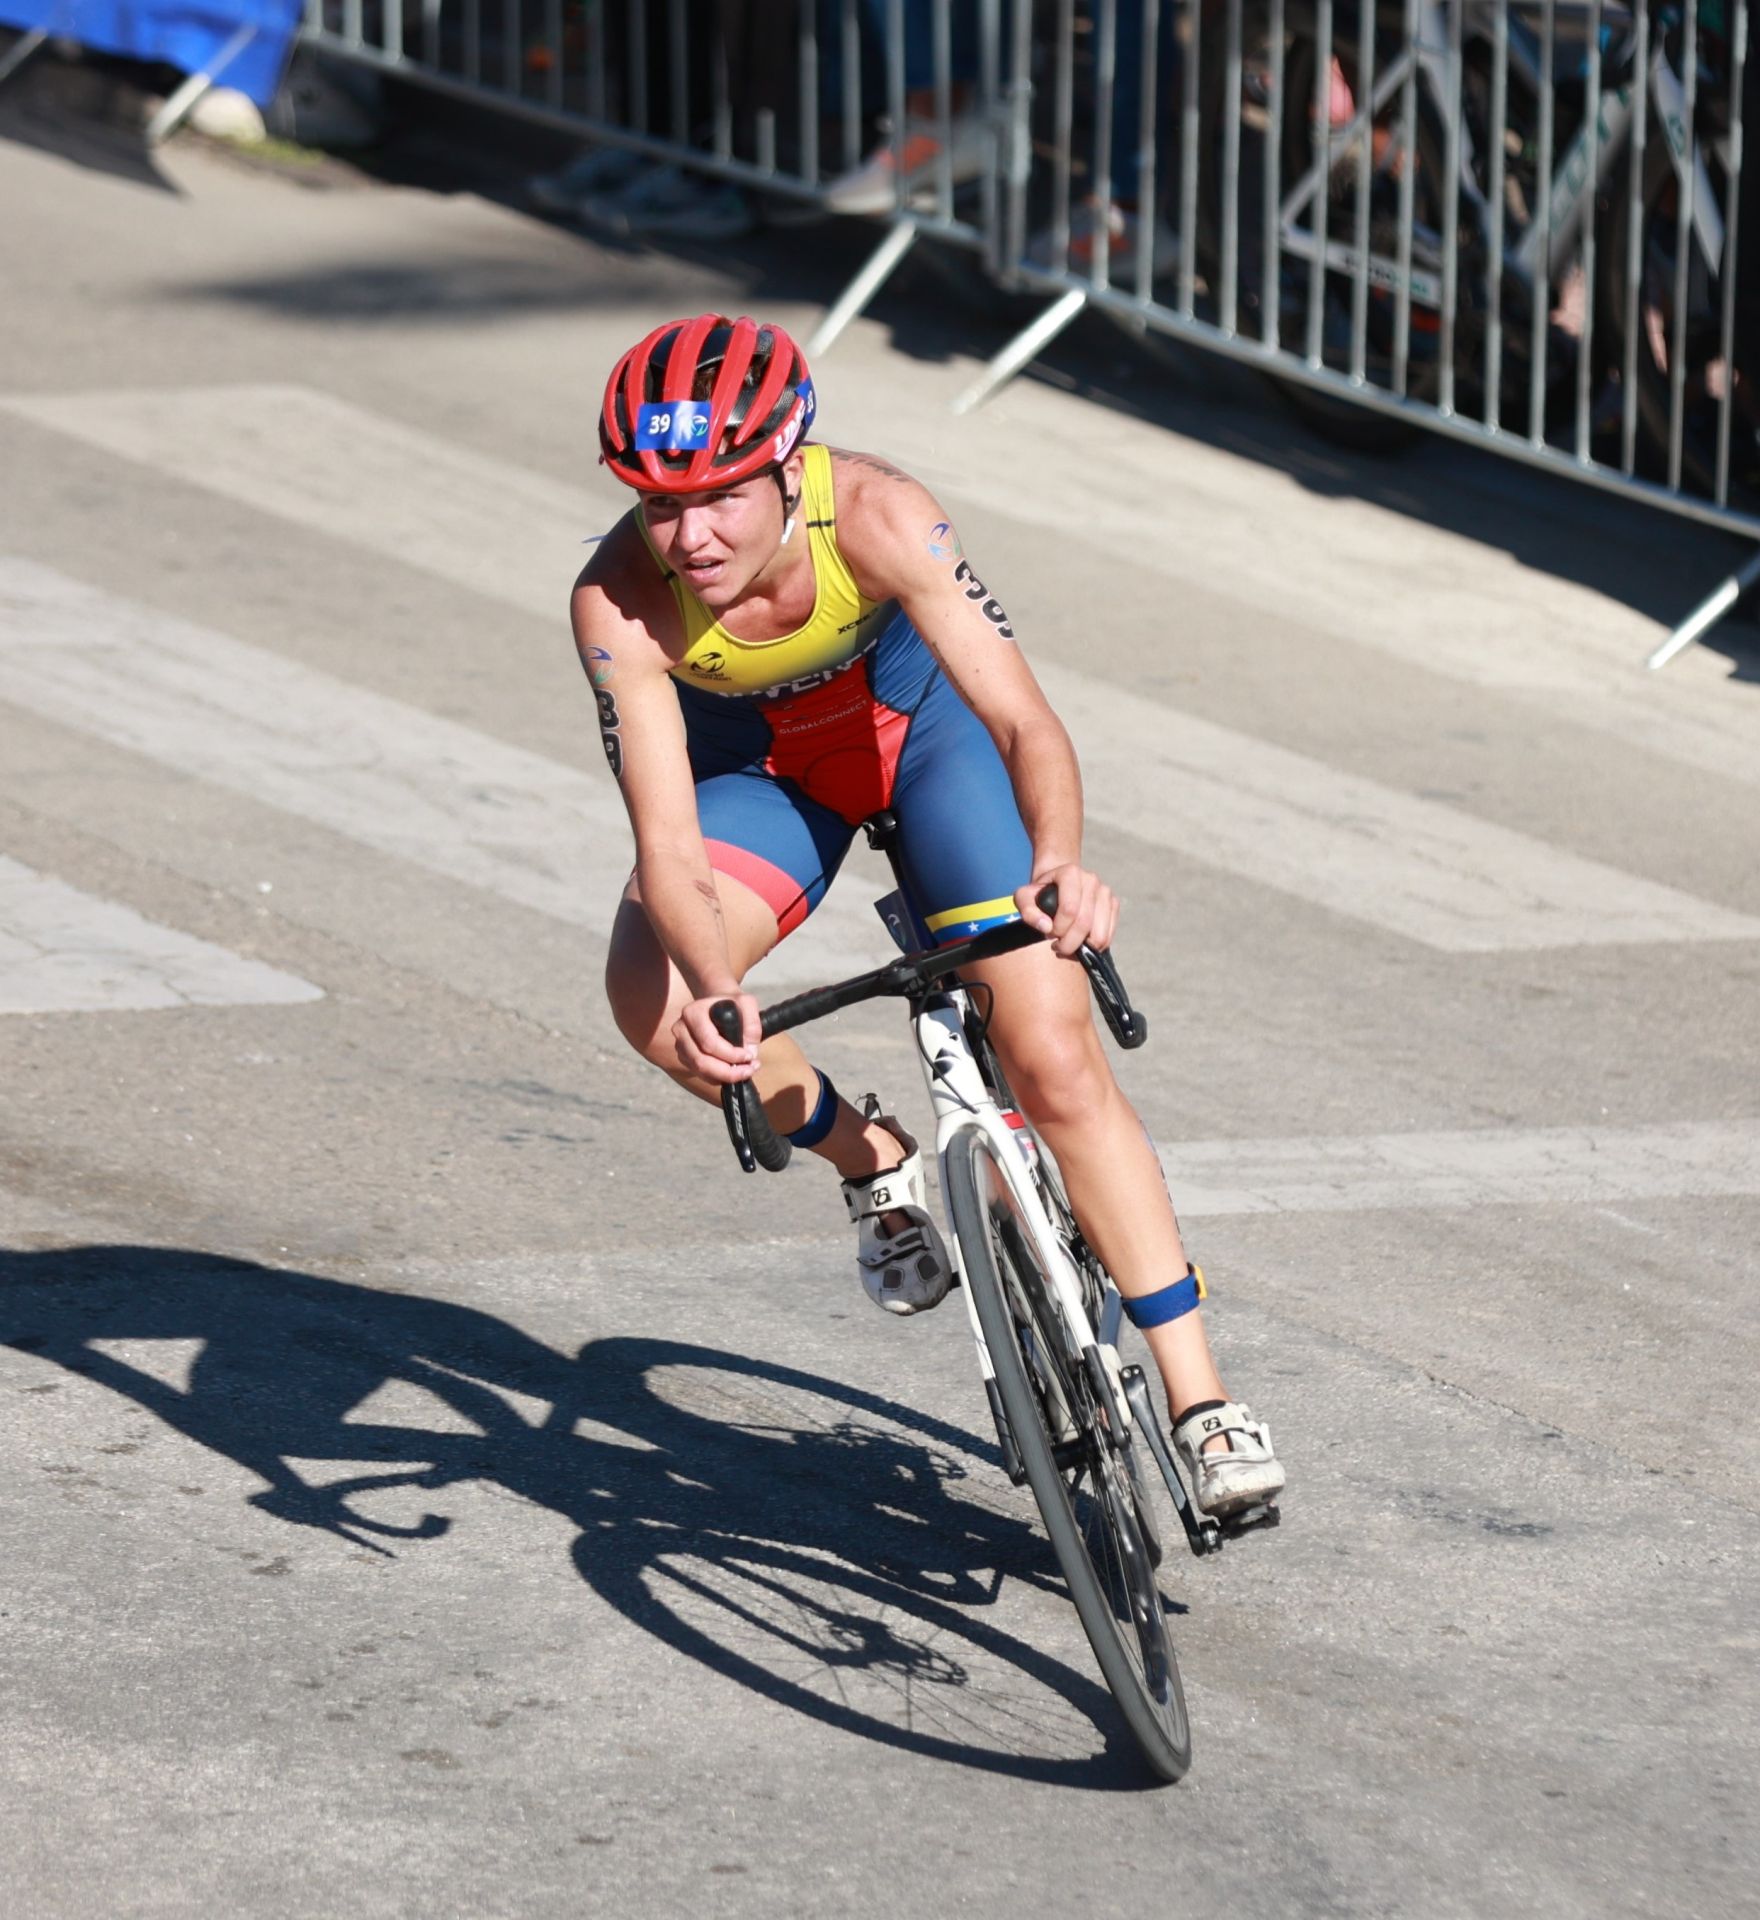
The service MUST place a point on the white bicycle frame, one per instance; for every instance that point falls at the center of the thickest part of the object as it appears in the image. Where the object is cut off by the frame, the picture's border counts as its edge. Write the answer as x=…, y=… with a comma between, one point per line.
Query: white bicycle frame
x=963, y=1104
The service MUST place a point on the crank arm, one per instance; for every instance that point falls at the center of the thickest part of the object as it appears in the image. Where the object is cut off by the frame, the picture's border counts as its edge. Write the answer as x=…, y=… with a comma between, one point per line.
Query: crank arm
x=1202, y=1535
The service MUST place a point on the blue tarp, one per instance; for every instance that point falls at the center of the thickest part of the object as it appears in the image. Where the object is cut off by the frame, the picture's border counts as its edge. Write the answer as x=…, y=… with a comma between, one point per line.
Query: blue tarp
x=187, y=34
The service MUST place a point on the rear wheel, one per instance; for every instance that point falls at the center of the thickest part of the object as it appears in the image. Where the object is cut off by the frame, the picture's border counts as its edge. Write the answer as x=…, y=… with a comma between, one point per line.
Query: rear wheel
x=1086, y=1489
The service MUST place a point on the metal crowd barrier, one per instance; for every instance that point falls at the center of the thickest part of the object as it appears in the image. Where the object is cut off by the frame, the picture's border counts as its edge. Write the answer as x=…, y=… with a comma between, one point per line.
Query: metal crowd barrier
x=1512, y=222
x=661, y=78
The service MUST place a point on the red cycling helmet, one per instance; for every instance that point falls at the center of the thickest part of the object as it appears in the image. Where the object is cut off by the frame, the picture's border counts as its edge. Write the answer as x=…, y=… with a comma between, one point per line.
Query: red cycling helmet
x=703, y=404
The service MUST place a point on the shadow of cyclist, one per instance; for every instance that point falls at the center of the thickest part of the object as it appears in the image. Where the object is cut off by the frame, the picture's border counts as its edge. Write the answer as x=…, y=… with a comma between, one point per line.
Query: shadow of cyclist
x=823, y=1545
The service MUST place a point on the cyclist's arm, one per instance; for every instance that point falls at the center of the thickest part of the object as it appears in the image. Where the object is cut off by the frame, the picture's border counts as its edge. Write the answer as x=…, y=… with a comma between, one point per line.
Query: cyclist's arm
x=618, y=620
x=900, y=543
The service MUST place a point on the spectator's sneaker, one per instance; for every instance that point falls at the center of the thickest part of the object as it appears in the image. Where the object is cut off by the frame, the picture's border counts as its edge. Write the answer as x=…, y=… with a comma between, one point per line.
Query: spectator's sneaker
x=1245, y=1475
x=669, y=203
x=873, y=187
x=900, y=1253
x=588, y=176
x=1124, y=232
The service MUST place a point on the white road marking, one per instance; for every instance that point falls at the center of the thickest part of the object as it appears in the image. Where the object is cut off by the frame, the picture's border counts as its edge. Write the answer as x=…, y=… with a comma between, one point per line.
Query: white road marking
x=383, y=774
x=1484, y=1167
x=1351, y=846
x=1370, y=853
x=62, y=951
x=1442, y=602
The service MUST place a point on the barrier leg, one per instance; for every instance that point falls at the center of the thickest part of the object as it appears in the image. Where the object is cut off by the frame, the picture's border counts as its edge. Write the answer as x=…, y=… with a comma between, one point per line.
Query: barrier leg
x=21, y=51
x=864, y=286
x=172, y=115
x=1022, y=348
x=1708, y=614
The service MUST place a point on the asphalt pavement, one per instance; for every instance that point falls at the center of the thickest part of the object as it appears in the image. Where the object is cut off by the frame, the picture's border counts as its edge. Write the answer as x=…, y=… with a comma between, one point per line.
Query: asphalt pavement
x=606, y=1551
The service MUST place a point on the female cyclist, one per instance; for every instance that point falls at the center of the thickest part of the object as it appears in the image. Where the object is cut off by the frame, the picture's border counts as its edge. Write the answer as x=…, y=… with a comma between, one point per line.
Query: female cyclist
x=784, y=638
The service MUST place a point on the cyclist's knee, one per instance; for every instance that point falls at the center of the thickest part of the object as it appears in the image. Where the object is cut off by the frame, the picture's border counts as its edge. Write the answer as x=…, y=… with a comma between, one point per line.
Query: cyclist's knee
x=643, y=988
x=1063, y=1079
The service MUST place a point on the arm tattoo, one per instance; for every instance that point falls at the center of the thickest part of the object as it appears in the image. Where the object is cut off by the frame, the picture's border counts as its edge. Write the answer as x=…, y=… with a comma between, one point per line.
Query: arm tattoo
x=599, y=665
x=875, y=464
x=981, y=596
x=943, y=542
x=609, y=725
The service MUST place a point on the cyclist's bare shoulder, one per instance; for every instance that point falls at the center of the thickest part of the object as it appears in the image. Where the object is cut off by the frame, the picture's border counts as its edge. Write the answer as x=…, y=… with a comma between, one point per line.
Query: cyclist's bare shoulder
x=622, y=603
x=884, y=517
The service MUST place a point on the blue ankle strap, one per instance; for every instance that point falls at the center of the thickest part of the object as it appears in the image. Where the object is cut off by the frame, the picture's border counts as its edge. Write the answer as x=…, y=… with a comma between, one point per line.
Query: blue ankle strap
x=821, y=1120
x=1171, y=1302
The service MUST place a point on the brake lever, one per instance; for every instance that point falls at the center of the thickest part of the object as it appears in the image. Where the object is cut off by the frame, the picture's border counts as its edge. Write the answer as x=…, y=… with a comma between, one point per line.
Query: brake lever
x=757, y=1143
x=1128, y=1027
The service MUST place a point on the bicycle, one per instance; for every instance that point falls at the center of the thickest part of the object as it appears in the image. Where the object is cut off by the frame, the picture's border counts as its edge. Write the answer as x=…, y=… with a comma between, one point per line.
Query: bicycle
x=1045, y=1315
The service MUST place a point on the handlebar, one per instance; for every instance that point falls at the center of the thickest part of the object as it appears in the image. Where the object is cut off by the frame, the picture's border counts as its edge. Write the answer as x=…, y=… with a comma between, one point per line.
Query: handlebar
x=757, y=1142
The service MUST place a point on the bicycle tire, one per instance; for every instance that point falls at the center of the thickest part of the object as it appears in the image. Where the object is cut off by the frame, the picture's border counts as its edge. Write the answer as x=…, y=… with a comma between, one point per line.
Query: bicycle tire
x=1095, y=1532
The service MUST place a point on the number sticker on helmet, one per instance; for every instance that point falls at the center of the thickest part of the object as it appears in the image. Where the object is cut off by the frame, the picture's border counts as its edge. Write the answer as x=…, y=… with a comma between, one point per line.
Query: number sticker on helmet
x=673, y=427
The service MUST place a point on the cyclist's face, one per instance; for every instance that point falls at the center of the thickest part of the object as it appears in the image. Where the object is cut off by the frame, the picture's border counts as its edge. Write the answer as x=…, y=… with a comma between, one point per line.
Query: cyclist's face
x=717, y=543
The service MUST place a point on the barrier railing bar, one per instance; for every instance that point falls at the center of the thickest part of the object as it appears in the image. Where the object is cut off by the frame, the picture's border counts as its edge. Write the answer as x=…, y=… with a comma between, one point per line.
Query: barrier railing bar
x=1707, y=615
x=1100, y=194
x=989, y=106
x=1451, y=208
x=473, y=41
x=635, y=14
x=1685, y=240
x=391, y=20
x=895, y=97
x=1147, y=197
x=1322, y=194
x=1231, y=166
x=1363, y=158
x=678, y=79
x=28, y=43
x=1019, y=152
x=720, y=100
x=1408, y=178
x=1271, y=275
x=552, y=47
x=1191, y=54
x=1540, y=320
x=809, y=92
x=851, y=54
x=1063, y=132
x=1731, y=228
x=899, y=239
x=943, y=44
x=1024, y=347
x=1586, y=342
x=431, y=32
x=1628, y=427
x=353, y=27
x=1499, y=137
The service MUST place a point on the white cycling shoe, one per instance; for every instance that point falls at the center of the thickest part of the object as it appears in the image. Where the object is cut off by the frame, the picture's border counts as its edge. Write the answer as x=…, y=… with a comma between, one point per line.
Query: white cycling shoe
x=908, y=1271
x=1247, y=1474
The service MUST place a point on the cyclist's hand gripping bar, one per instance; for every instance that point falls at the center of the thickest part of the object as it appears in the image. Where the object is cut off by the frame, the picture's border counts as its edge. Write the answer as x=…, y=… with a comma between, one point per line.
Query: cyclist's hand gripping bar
x=757, y=1143
x=1129, y=1028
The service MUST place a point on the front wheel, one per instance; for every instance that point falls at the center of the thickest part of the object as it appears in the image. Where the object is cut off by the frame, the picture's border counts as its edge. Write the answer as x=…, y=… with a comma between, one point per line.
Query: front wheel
x=1084, y=1486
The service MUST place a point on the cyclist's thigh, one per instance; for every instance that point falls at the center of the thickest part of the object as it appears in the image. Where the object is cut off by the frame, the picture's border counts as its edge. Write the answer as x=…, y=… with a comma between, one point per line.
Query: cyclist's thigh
x=961, y=839
x=765, y=834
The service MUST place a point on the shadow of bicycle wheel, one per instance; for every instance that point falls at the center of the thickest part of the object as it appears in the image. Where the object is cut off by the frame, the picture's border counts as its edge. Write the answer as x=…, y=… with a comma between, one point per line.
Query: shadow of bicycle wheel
x=835, y=1551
